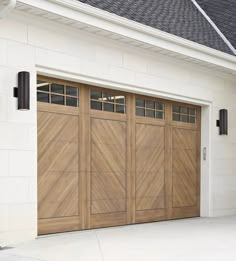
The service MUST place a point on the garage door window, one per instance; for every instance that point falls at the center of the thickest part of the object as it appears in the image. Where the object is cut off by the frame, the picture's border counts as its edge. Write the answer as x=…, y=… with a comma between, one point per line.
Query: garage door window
x=104, y=101
x=56, y=93
x=149, y=108
x=184, y=114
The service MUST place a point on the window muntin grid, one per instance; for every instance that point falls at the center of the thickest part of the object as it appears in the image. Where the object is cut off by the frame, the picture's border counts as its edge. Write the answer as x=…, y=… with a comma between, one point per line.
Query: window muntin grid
x=150, y=108
x=107, y=101
x=57, y=93
x=184, y=114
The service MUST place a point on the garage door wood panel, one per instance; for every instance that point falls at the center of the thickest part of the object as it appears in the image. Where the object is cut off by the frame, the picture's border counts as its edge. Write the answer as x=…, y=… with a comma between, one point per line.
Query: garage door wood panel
x=184, y=177
x=150, y=180
x=56, y=225
x=98, y=168
x=59, y=196
x=58, y=169
x=108, y=161
x=108, y=220
x=185, y=161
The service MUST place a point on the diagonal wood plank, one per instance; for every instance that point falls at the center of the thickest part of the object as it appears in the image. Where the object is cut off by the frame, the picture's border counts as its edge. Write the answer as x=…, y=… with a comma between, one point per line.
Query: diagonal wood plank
x=150, y=174
x=108, y=187
x=58, y=165
x=59, y=197
x=184, y=168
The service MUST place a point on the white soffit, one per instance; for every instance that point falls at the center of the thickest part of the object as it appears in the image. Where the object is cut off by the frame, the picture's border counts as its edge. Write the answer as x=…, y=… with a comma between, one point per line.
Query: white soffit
x=83, y=17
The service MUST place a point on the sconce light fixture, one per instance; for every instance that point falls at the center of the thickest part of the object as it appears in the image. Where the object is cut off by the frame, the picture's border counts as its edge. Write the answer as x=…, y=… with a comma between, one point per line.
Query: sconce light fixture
x=22, y=92
x=222, y=123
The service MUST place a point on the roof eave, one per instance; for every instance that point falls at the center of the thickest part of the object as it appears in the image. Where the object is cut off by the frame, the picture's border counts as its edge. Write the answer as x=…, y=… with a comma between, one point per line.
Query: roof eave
x=77, y=11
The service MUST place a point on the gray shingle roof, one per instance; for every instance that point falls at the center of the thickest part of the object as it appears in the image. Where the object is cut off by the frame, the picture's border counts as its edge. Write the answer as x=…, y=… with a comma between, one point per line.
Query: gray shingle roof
x=178, y=17
x=223, y=14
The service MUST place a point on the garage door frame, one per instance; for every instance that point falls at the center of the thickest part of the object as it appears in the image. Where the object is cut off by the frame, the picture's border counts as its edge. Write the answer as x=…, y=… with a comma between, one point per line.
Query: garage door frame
x=85, y=142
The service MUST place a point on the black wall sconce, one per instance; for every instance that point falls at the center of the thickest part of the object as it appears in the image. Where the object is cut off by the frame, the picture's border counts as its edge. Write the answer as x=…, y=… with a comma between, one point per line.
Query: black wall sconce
x=222, y=123
x=22, y=92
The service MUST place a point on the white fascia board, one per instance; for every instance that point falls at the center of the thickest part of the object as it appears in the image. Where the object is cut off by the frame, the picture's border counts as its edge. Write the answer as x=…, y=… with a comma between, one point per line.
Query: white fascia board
x=91, y=16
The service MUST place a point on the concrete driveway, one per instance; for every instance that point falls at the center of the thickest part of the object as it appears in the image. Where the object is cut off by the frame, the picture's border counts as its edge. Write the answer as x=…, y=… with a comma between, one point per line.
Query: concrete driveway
x=185, y=240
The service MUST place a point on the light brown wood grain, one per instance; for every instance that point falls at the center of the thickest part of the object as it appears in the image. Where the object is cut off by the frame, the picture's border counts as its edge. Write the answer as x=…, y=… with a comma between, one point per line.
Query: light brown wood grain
x=58, y=169
x=108, y=168
x=129, y=190
x=99, y=169
x=150, y=169
x=57, y=165
x=186, y=170
x=108, y=220
x=85, y=156
x=56, y=225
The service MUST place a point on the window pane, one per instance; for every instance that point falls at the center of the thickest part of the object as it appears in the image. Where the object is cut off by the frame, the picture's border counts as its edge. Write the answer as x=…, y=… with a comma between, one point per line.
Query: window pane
x=176, y=109
x=42, y=97
x=71, y=101
x=72, y=91
x=176, y=117
x=192, y=119
x=96, y=95
x=120, y=99
x=120, y=108
x=57, y=88
x=192, y=111
x=57, y=99
x=108, y=107
x=184, y=110
x=108, y=97
x=159, y=115
x=184, y=118
x=140, y=102
x=159, y=106
x=43, y=86
x=96, y=105
x=140, y=112
x=150, y=113
x=150, y=104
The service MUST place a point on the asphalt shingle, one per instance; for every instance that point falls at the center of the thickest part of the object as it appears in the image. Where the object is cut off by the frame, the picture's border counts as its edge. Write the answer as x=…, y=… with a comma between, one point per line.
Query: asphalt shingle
x=223, y=14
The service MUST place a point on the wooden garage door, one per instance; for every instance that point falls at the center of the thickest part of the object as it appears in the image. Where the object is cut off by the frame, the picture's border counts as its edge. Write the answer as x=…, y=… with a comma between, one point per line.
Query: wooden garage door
x=58, y=158
x=108, y=158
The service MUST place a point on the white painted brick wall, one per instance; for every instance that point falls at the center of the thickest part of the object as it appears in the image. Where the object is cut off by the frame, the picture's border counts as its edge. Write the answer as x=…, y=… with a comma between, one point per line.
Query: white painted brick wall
x=18, y=148
x=27, y=43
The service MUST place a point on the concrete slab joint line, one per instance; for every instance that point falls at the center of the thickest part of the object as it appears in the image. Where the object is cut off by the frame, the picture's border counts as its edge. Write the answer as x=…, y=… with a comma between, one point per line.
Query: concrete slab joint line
x=6, y=6
x=99, y=244
x=214, y=26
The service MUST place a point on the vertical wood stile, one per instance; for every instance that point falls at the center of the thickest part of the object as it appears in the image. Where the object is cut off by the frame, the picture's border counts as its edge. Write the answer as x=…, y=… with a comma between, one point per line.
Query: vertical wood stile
x=85, y=157
x=130, y=159
x=133, y=159
x=168, y=161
